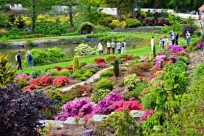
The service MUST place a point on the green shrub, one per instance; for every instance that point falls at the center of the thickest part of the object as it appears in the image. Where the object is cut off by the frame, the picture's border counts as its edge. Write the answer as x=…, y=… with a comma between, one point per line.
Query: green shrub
x=136, y=92
x=111, y=26
x=55, y=54
x=65, y=72
x=150, y=14
x=54, y=72
x=36, y=73
x=116, y=68
x=75, y=63
x=148, y=101
x=131, y=81
x=197, y=33
x=106, y=73
x=133, y=22
x=22, y=82
x=101, y=29
x=104, y=83
x=14, y=31
x=182, y=58
x=109, y=57
x=198, y=72
x=99, y=94
x=105, y=19
x=143, y=14
x=39, y=56
x=84, y=49
x=82, y=64
x=87, y=73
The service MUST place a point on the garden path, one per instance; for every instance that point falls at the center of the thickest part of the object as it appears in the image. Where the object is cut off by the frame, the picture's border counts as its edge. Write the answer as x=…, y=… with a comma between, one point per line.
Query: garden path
x=90, y=80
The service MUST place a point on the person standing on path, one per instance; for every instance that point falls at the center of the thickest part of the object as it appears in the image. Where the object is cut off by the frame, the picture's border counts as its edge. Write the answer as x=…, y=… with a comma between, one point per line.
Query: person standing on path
x=19, y=60
x=100, y=48
x=29, y=59
x=123, y=45
x=188, y=37
x=113, y=46
x=161, y=43
x=108, y=47
x=176, y=38
x=172, y=39
x=119, y=47
x=152, y=43
x=165, y=42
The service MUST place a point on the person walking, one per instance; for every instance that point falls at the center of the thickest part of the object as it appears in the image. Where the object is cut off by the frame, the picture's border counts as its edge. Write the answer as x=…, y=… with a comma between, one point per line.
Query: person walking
x=161, y=43
x=119, y=47
x=108, y=47
x=152, y=43
x=165, y=41
x=188, y=37
x=19, y=60
x=29, y=57
x=100, y=48
x=113, y=46
x=123, y=47
x=176, y=38
x=172, y=39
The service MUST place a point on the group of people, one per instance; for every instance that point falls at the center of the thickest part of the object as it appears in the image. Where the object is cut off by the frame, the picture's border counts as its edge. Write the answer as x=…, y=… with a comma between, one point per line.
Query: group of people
x=120, y=46
x=29, y=58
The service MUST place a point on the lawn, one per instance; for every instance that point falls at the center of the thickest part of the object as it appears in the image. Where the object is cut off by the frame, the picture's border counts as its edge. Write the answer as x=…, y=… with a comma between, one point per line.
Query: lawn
x=138, y=52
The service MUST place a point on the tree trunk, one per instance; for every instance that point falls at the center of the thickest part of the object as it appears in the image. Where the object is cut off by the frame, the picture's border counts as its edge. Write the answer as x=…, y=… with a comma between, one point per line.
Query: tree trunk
x=33, y=14
x=133, y=8
x=176, y=7
x=70, y=16
x=117, y=12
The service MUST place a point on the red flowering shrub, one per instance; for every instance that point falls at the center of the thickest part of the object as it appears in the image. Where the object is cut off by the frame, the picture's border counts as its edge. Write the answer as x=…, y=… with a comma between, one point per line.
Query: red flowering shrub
x=44, y=81
x=60, y=81
x=129, y=57
x=69, y=67
x=99, y=60
x=155, y=70
x=146, y=114
x=58, y=68
x=121, y=105
x=85, y=90
x=101, y=65
x=113, y=59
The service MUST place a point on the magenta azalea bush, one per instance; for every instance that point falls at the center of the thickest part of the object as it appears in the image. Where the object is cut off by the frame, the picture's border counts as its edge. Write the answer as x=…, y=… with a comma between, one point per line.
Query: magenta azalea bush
x=20, y=76
x=146, y=114
x=199, y=45
x=158, y=59
x=102, y=106
x=175, y=48
x=173, y=58
x=80, y=107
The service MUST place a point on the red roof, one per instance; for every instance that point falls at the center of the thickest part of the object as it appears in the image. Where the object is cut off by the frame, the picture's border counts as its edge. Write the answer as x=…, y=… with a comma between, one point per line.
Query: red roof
x=201, y=8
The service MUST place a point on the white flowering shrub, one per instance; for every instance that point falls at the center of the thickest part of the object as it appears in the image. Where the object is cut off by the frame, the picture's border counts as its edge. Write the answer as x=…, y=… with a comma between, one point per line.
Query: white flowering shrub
x=83, y=50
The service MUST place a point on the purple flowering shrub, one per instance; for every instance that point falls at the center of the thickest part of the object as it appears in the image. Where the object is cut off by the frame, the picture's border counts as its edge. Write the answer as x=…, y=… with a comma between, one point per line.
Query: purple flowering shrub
x=146, y=114
x=173, y=58
x=175, y=48
x=80, y=107
x=158, y=59
x=102, y=106
x=199, y=45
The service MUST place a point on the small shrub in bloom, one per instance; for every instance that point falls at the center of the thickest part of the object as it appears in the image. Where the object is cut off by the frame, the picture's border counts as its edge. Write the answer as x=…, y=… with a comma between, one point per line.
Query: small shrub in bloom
x=122, y=105
x=129, y=57
x=146, y=114
x=173, y=58
x=20, y=76
x=199, y=45
x=155, y=70
x=69, y=67
x=81, y=107
x=175, y=48
x=58, y=68
x=61, y=81
x=99, y=60
x=101, y=65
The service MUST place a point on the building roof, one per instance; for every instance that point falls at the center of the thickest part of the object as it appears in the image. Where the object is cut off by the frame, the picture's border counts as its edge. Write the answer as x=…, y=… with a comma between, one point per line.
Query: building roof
x=201, y=8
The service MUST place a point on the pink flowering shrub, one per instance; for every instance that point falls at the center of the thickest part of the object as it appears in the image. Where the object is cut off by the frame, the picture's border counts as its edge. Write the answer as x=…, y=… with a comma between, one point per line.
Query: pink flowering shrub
x=81, y=107
x=101, y=65
x=158, y=59
x=199, y=45
x=102, y=106
x=20, y=76
x=175, y=48
x=99, y=60
x=173, y=58
x=146, y=114
x=121, y=105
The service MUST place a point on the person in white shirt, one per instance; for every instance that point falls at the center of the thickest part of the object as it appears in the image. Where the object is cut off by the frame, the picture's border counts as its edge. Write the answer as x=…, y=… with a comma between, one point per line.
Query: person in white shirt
x=188, y=37
x=165, y=41
x=152, y=43
x=100, y=48
x=108, y=47
x=119, y=47
x=123, y=47
x=113, y=46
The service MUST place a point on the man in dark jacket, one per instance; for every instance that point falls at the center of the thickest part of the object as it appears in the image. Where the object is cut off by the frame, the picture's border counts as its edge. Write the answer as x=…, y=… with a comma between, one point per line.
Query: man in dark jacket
x=176, y=38
x=18, y=59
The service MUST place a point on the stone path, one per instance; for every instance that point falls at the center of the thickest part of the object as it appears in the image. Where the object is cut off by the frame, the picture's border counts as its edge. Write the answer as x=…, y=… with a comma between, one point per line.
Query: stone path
x=90, y=80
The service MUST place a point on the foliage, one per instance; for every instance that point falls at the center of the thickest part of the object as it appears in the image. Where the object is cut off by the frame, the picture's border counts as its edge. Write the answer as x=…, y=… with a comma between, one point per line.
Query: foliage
x=84, y=49
x=133, y=23
x=55, y=54
x=129, y=105
x=116, y=23
x=75, y=63
x=61, y=81
x=143, y=14
x=146, y=114
x=15, y=102
x=65, y=72
x=109, y=57
x=102, y=106
x=80, y=107
x=131, y=81
x=190, y=29
x=85, y=90
x=36, y=73
x=54, y=72
x=198, y=72
x=105, y=19
x=106, y=73
x=99, y=94
x=116, y=69
x=121, y=123
x=154, y=51
x=7, y=73
x=39, y=56
x=21, y=79
x=148, y=101
x=104, y=83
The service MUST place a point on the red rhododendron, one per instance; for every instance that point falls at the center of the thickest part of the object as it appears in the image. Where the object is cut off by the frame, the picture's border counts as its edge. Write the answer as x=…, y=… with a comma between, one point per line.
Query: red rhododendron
x=69, y=67
x=101, y=65
x=129, y=57
x=60, y=81
x=58, y=68
x=99, y=60
x=155, y=70
x=146, y=114
x=122, y=105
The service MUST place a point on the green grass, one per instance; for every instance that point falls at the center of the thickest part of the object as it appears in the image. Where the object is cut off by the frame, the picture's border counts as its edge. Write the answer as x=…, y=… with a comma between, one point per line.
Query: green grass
x=138, y=52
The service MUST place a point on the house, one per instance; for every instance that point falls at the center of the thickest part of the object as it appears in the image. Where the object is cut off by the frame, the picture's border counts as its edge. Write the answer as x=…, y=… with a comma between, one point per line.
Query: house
x=201, y=12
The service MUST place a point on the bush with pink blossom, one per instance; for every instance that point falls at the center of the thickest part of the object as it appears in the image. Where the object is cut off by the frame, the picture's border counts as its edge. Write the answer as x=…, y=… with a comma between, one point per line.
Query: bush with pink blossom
x=146, y=114
x=175, y=48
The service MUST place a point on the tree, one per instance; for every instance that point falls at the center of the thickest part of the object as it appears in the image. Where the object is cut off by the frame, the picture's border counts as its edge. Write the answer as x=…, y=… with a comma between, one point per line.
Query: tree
x=20, y=112
x=176, y=3
x=75, y=63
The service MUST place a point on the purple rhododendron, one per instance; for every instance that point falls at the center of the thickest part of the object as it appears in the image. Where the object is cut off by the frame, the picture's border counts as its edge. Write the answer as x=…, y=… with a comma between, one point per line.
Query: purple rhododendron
x=80, y=107
x=173, y=58
x=146, y=114
x=199, y=45
x=158, y=59
x=102, y=106
x=175, y=48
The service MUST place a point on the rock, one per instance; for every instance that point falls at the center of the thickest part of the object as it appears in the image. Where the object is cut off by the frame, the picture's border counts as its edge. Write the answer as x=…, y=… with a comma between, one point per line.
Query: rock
x=136, y=113
x=56, y=123
x=98, y=118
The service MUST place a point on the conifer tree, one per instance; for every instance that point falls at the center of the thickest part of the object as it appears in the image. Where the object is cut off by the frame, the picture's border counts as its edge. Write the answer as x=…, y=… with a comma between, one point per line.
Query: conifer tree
x=116, y=68
x=75, y=63
x=154, y=51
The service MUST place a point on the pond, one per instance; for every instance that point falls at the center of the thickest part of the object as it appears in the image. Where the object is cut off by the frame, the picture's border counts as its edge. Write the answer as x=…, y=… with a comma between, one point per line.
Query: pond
x=67, y=49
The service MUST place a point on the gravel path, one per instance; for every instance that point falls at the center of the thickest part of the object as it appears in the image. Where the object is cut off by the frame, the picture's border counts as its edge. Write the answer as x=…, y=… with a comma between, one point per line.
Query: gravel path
x=90, y=80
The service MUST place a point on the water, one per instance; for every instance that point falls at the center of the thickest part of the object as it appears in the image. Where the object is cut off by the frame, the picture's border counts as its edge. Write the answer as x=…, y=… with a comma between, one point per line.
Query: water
x=67, y=49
